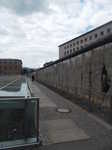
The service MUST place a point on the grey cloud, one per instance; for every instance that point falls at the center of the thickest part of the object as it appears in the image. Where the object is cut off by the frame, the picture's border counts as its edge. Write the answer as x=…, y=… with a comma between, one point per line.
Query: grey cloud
x=25, y=7
x=3, y=31
x=35, y=38
x=1, y=51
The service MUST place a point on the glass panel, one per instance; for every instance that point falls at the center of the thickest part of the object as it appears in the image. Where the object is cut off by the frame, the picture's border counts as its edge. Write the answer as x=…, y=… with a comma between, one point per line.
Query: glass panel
x=18, y=121
x=16, y=88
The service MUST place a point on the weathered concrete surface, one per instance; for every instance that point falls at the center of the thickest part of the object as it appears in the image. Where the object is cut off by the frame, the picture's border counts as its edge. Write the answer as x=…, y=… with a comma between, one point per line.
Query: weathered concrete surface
x=63, y=130
x=88, y=74
x=84, y=130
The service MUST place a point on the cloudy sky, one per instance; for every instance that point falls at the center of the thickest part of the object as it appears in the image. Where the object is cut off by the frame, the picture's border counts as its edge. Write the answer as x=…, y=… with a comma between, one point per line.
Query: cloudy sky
x=31, y=30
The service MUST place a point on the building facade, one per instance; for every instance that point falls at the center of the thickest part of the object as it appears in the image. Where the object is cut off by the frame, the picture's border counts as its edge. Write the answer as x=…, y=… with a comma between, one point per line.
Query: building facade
x=85, y=40
x=10, y=66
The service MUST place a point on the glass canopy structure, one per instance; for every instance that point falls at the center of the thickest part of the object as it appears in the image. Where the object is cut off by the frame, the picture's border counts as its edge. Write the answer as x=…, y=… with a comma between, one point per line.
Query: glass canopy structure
x=19, y=115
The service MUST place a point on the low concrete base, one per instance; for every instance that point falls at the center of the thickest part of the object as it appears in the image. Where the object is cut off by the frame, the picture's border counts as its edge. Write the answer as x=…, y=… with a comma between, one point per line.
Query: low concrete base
x=19, y=144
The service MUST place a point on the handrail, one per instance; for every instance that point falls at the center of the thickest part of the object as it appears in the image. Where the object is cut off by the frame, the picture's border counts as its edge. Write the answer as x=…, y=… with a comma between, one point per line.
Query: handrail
x=29, y=87
x=18, y=99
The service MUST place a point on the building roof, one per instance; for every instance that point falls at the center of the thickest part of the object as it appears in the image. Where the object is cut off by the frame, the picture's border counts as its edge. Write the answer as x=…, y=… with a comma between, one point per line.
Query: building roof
x=85, y=33
x=10, y=59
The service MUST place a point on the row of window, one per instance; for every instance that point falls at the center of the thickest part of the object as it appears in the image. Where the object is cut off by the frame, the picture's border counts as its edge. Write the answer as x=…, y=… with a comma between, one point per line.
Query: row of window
x=69, y=52
x=6, y=72
x=6, y=67
x=9, y=62
x=86, y=39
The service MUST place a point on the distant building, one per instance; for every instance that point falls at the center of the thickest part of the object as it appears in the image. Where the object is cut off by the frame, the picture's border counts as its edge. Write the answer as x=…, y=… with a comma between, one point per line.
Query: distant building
x=27, y=70
x=10, y=66
x=84, y=40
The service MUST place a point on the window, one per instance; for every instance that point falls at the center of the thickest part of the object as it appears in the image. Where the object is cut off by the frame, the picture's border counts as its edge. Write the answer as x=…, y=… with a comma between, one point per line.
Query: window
x=65, y=53
x=70, y=45
x=74, y=49
x=77, y=42
x=102, y=33
x=85, y=39
x=90, y=37
x=108, y=30
x=5, y=68
x=73, y=44
x=96, y=35
x=81, y=41
x=65, y=47
x=70, y=51
x=77, y=48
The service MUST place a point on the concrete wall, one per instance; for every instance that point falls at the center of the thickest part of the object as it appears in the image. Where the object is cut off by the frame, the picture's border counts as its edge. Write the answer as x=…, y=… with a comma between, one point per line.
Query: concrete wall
x=88, y=74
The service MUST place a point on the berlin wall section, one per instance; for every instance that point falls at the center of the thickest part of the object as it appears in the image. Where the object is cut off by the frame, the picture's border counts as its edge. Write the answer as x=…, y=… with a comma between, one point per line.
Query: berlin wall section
x=84, y=76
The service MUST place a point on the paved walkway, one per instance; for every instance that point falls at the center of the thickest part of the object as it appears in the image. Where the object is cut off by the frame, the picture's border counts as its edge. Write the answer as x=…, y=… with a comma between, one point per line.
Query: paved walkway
x=76, y=129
